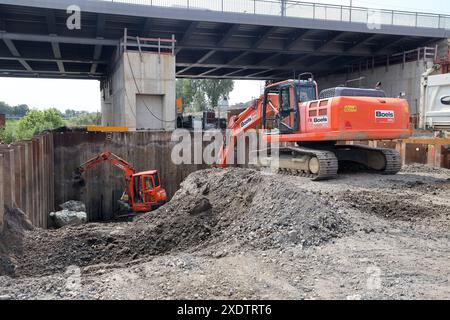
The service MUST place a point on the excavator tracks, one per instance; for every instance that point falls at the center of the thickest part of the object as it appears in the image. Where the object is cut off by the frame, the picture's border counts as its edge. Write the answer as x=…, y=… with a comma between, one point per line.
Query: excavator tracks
x=304, y=162
x=392, y=160
x=320, y=164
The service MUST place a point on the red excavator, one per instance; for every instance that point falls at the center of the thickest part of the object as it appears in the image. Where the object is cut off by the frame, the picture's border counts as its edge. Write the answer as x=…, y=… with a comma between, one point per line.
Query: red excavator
x=313, y=130
x=143, y=191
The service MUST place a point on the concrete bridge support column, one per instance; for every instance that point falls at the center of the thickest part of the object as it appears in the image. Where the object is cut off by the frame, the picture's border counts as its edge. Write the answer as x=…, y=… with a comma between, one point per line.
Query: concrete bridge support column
x=140, y=92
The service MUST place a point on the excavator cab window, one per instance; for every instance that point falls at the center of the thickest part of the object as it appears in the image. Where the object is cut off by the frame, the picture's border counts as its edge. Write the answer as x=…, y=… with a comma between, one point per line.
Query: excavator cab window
x=285, y=102
x=157, y=181
x=306, y=92
x=148, y=183
x=137, y=183
x=288, y=109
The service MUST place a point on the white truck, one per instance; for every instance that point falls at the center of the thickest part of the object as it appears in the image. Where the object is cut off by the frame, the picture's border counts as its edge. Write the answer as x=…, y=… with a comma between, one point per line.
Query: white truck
x=435, y=102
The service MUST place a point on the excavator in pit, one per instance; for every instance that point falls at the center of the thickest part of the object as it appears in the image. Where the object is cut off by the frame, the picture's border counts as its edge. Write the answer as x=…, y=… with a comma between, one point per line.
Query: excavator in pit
x=143, y=190
x=312, y=130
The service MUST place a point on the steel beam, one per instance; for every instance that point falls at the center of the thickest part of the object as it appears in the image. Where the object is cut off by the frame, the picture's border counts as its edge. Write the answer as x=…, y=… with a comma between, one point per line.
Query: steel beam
x=296, y=38
x=55, y=60
x=263, y=37
x=98, y=48
x=328, y=42
x=361, y=43
x=57, y=55
x=189, y=31
x=58, y=39
x=12, y=48
x=199, y=61
x=228, y=34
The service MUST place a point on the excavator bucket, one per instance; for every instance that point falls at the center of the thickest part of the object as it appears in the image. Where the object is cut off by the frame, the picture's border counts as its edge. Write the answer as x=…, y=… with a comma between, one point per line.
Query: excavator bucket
x=78, y=180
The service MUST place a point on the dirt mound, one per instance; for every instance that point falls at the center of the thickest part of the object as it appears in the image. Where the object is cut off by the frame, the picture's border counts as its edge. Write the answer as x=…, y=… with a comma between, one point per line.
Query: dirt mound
x=11, y=239
x=392, y=207
x=232, y=209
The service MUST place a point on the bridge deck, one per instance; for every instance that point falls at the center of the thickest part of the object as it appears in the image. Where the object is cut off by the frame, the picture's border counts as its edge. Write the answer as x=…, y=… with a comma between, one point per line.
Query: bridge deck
x=243, y=39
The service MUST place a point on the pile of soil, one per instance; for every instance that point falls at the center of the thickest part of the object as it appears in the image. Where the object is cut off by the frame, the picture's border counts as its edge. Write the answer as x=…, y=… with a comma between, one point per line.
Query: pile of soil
x=242, y=209
x=391, y=207
x=11, y=239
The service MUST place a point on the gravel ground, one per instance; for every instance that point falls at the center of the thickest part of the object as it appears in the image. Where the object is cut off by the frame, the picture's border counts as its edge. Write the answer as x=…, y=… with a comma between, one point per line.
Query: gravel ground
x=243, y=234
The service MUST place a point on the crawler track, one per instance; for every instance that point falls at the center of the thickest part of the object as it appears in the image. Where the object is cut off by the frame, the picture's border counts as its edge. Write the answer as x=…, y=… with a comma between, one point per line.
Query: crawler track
x=392, y=158
x=295, y=160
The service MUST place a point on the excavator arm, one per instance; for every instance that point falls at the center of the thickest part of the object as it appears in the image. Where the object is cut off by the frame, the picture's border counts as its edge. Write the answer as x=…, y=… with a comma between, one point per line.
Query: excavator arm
x=106, y=156
x=250, y=118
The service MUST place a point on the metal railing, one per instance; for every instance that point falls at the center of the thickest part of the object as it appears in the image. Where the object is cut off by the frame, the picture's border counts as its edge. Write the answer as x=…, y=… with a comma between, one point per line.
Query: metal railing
x=421, y=54
x=155, y=45
x=374, y=18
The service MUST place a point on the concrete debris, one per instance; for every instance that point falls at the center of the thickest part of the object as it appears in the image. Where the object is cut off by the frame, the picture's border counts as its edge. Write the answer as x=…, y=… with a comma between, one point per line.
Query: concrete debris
x=68, y=218
x=73, y=205
x=73, y=214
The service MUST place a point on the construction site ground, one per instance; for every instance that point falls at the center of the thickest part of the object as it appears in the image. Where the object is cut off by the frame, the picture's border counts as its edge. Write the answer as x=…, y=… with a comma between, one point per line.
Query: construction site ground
x=245, y=234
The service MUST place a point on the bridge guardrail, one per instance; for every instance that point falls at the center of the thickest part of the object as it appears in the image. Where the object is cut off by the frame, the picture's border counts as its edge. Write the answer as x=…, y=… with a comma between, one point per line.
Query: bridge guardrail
x=374, y=18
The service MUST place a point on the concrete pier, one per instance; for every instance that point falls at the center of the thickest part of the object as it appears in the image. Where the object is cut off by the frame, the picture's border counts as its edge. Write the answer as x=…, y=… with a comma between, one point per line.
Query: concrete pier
x=140, y=92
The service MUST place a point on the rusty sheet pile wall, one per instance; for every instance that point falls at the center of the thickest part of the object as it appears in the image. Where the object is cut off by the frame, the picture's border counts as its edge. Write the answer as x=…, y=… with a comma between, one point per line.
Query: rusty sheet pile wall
x=36, y=175
x=26, y=176
x=105, y=183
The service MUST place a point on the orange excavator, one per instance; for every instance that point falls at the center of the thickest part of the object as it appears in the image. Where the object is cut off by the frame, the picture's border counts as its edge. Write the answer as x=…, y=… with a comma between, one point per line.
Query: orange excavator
x=143, y=190
x=312, y=130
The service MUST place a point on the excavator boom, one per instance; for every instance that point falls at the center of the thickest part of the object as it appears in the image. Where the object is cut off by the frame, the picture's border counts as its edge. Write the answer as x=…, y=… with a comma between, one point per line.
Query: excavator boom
x=250, y=118
x=108, y=156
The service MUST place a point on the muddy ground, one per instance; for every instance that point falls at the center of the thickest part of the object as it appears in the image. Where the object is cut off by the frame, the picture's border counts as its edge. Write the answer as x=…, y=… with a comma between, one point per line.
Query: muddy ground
x=244, y=234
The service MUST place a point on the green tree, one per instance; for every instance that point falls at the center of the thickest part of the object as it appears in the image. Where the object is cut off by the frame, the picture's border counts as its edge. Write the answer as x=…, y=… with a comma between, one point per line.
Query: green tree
x=199, y=102
x=187, y=90
x=86, y=118
x=21, y=110
x=17, y=111
x=36, y=121
x=216, y=89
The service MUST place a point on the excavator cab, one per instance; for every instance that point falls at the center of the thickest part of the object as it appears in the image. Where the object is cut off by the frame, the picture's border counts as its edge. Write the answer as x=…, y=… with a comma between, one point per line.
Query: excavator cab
x=287, y=95
x=147, y=192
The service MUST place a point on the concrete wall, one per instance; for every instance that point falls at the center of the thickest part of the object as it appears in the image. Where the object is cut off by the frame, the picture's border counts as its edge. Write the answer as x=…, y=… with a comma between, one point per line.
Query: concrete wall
x=145, y=78
x=395, y=79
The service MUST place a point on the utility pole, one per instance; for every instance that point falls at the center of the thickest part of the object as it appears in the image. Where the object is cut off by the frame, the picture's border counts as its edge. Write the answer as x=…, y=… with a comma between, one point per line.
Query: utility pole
x=351, y=5
x=283, y=8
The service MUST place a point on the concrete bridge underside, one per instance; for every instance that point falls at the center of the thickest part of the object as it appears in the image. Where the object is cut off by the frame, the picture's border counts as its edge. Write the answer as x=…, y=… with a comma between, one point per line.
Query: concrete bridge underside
x=35, y=42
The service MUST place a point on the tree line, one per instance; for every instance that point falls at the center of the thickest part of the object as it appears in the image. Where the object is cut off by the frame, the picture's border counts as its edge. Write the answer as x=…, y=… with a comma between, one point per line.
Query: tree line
x=13, y=111
x=35, y=121
x=202, y=94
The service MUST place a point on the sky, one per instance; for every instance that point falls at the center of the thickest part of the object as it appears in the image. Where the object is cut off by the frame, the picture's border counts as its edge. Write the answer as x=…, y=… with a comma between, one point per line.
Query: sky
x=85, y=94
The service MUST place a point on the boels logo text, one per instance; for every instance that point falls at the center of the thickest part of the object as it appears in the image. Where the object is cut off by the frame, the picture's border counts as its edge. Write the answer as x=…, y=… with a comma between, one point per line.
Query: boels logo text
x=246, y=122
x=385, y=116
x=320, y=120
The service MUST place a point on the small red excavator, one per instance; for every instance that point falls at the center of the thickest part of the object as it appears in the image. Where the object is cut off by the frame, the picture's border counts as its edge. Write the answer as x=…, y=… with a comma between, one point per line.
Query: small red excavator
x=312, y=130
x=143, y=191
